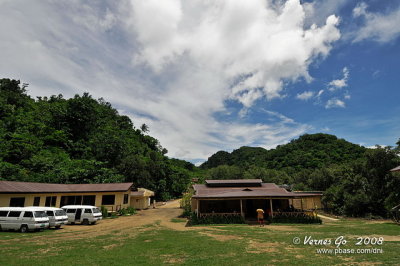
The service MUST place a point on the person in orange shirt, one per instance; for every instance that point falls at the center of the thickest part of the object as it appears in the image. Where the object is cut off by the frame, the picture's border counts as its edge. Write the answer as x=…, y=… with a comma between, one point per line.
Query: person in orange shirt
x=260, y=216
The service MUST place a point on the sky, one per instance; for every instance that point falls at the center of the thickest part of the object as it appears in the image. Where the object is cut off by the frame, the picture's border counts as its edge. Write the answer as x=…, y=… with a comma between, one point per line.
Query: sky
x=217, y=75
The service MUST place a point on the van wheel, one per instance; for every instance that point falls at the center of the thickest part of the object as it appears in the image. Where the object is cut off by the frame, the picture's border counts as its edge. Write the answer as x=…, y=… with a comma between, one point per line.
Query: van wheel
x=93, y=222
x=85, y=222
x=58, y=226
x=23, y=229
x=1, y=228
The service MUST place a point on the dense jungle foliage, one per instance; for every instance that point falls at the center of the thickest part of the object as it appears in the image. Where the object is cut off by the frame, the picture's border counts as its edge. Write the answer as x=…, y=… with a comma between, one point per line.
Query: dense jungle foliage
x=81, y=140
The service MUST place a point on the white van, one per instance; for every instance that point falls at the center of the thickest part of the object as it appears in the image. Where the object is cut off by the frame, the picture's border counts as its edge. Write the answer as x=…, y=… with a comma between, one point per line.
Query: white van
x=84, y=214
x=57, y=216
x=22, y=219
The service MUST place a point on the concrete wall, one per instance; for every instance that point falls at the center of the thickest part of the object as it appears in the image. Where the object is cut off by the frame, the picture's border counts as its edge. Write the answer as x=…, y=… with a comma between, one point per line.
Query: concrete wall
x=140, y=203
x=119, y=198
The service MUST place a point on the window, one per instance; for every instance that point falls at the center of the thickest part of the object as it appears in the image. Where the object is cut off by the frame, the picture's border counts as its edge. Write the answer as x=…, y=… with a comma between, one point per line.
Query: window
x=126, y=198
x=40, y=214
x=71, y=200
x=88, y=211
x=36, y=201
x=108, y=200
x=17, y=202
x=14, y=214
x=49, y=213
x=51, y=201
x=28, y=214
x=89, y=200
x=71, y=210
x=3, y=213
x=60, y=213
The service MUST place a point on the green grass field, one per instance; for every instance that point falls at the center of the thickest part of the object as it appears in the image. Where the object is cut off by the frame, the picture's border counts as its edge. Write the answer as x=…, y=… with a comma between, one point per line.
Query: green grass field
x=212, y=245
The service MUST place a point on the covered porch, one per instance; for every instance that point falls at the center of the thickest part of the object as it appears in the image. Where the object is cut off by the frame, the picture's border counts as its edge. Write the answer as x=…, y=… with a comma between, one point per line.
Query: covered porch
x=246, y=207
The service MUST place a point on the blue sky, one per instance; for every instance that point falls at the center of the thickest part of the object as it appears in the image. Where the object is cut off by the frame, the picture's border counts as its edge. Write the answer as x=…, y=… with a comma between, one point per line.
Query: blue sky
x=217, y=75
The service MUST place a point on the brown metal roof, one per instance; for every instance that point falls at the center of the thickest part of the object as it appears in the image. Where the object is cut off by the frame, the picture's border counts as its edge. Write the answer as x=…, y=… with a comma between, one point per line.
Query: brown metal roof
x=396, y=169
x=234, y=183
x=31, y=187
x=230, y=181
x=265, y=190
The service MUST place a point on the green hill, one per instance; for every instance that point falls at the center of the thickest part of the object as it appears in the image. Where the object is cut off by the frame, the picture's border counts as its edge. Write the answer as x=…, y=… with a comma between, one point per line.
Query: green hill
x=307, y=152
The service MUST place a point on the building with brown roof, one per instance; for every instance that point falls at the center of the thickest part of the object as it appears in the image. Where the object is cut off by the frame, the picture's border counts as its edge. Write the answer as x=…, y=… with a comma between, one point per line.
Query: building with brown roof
x=113, y=196
x=141, y=199
x=244, y=196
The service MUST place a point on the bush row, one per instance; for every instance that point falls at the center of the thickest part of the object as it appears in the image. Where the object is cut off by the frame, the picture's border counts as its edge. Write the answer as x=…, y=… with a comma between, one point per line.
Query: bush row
x=193, y=220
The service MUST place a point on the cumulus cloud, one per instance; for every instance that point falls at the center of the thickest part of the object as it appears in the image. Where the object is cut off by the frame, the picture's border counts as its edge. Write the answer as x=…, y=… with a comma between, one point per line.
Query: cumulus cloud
x=335, y=103
x=340, y=83
x=250, y=44
x=170, y=64
x=305, y=95
x=380, y=27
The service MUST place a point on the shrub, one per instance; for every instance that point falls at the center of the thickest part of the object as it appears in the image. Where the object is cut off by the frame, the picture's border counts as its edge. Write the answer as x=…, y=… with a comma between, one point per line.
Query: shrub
x=215, y=219
x=186, y=203
x=301, y=219
x=127, y=211
x=104, y=211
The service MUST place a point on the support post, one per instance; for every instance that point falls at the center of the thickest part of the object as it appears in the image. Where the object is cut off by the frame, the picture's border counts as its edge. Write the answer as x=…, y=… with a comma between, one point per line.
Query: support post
x=270, y=205
x=241, y=209
x=301, y=202
x=197, y=207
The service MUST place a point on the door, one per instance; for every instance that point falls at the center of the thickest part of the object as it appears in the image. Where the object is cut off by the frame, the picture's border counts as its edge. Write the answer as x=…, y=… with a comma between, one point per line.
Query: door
x=52, y=218
x=28, y=219
x=14, y=220
x=3, y=220
x=78, y=214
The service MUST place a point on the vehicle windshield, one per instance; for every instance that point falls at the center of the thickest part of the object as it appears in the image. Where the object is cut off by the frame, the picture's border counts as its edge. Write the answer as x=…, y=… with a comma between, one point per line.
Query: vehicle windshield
x=60, y=213
x=40, y=214
x=96, y=210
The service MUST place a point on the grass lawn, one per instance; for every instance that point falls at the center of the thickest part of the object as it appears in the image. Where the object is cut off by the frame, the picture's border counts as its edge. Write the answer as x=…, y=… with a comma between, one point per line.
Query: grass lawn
x=155, y=244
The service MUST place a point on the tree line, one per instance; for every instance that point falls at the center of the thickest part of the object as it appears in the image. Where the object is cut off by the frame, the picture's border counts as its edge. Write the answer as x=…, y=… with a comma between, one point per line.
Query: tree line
x=81, y=140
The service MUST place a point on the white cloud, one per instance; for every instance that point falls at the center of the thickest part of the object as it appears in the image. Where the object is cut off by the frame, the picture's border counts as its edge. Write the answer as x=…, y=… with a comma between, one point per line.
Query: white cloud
x=305, y=95
x=320, y=93
x=246, y=40
x=170, y=64
x=340, y=83
x=377, y=26
x=335, y=102
x=317, y=11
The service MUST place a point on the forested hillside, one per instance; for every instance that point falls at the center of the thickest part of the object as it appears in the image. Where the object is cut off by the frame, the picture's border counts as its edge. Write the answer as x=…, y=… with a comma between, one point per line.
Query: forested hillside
x=81, y=140
x=307, y=152
x=356, y=180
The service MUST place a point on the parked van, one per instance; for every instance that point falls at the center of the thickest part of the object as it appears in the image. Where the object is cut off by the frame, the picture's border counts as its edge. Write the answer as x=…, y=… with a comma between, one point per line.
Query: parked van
x=22, y=219
x=84, y=214
x=57, y=216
